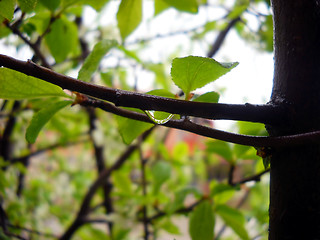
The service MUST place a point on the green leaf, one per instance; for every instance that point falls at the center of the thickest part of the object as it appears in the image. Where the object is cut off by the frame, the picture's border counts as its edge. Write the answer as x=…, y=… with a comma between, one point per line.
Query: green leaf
x=190, y=73
x=18, y=86
x=210, y=97
x=221, y=148
x=221, y=192
x=92, y=62
x=7, y=8
x=122, y=181
x=160, y=6
x=41, y=118
x=169, y=227
x=129, y=16
x=201, y=223
x=130, y=53
x=239, y=7
x=63, y=39
x=190, y=6
x=234, y=219
x=50, y=4
x=27, y=5
x=130, y=129
x=161, y=172
x=40, y=21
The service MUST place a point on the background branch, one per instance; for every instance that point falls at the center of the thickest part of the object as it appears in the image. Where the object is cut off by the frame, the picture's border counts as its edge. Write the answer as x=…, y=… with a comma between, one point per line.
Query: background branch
x=221, y=37
x=85, y=206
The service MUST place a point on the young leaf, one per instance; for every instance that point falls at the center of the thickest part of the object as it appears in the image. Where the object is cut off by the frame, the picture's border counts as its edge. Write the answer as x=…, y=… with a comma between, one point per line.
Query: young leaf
x=190, y=6
x=130, y=129
x=63, y=39
x=92, y=61
x=201, y=223
x=190, y=73
x=211, y=97
x=234, y=219
x=18, y=86
x=129, y=16
x=161, y=172
x=7, y=8
x=41, y=118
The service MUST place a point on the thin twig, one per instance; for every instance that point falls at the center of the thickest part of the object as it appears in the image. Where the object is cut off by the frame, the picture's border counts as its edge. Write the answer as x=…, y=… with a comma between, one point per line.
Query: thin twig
x=221, y=37
x=183, y=210
x=33, y=46
x=32, y=231
x=143, y=163
x=187, y=125
x=100, y=163
x=256, y=177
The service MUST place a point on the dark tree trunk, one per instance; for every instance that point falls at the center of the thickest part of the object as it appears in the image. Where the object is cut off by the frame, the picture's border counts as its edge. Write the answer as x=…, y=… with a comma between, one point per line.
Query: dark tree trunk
x=295, y=172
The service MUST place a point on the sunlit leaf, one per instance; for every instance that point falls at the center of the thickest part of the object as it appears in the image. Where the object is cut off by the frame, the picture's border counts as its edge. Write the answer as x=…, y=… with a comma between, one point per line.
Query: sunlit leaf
x=92, y=62
x=41, y=118
x=63, y=39
x=16, y=85
x=190, y=73
x=234, y=219
x=129, y=16
x=238, y=9
x=210, y=97
x=160, y=6
x=201, y=222
x=190, y=6
x=161, y=172
x=7, y=8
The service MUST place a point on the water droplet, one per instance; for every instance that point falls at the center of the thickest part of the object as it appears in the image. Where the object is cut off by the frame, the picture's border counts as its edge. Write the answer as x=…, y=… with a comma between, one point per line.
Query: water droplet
x=159, y=117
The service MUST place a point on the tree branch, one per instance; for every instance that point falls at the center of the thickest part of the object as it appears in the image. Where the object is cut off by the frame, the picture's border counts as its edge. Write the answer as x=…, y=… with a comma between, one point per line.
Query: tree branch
x=100, y=163
x=256, y=178
x=268, y=114
x=221, y=37
x=33, y=46
x=187, y=125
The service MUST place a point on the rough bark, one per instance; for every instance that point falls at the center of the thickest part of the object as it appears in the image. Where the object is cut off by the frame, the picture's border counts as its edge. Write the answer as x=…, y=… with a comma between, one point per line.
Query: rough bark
x=295, y=172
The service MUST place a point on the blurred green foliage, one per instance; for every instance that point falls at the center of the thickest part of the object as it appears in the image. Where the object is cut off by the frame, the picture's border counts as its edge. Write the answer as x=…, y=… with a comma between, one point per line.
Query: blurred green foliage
x=171, y=174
